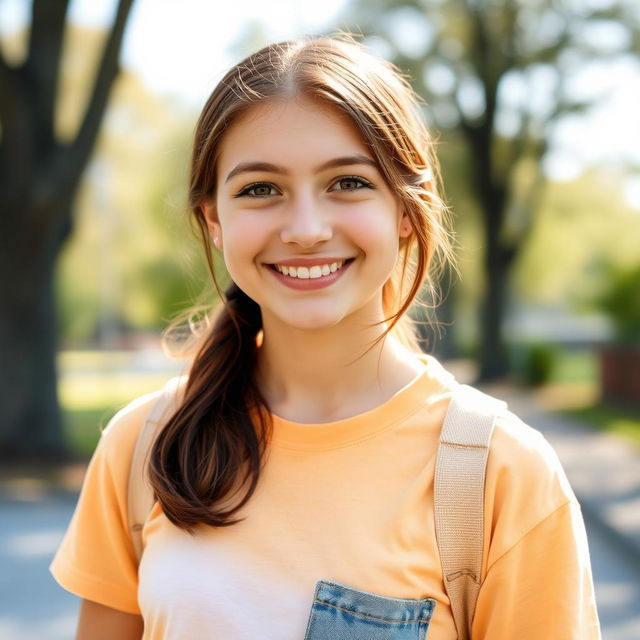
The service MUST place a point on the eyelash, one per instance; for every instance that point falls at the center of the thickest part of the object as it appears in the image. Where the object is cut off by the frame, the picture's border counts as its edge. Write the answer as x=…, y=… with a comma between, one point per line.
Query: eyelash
x=245, y=192
x=361, y=181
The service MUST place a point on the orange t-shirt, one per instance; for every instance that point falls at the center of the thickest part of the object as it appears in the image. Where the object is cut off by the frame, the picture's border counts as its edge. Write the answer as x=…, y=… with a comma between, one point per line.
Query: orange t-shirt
x=350, y=502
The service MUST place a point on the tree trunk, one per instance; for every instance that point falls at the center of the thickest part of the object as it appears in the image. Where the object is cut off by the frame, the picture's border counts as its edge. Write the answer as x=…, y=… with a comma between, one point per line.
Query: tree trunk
x=492, y=198
x=494, y=363
x=38, y=178
x=30, y=423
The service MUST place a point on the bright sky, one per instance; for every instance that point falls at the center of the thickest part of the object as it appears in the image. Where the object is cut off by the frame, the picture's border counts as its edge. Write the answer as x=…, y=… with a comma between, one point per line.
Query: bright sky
x=182, y=48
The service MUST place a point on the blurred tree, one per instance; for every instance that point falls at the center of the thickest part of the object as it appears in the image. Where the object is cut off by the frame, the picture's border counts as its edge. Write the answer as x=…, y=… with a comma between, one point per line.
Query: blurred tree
x=39, y=174
x=499, y=72
x=619, y=299
x=131, y=246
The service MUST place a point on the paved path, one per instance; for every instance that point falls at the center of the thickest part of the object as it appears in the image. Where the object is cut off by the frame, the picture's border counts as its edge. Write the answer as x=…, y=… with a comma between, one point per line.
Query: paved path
x=32, y=606
x=617, y=585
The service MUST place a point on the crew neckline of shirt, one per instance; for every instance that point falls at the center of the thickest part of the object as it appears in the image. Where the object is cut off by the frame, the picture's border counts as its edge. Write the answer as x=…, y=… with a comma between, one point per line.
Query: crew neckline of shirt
x=433, y=381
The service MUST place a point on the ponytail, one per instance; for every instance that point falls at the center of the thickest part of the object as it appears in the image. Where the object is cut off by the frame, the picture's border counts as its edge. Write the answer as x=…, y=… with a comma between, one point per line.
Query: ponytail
x=212, y=447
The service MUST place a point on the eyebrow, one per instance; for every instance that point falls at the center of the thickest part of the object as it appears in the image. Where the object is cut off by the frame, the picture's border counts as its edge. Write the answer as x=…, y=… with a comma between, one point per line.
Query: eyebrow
x=246, y=167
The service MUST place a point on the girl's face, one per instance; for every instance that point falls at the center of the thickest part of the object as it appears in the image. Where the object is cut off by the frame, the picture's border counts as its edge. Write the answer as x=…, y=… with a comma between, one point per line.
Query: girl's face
x=308, y=227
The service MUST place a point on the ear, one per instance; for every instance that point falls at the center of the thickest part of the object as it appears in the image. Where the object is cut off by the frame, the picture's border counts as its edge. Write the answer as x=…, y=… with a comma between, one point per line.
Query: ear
x=210, y=214
x=406, y=228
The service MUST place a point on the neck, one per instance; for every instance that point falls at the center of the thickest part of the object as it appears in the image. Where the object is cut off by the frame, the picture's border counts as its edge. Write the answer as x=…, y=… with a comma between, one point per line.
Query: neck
x=333, y=373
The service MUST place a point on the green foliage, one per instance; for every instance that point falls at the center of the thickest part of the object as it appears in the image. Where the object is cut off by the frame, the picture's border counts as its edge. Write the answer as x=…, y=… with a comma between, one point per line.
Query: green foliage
x=133, y=261
x=575, y=366
x=534, y=362
x=94, y=385
x=78, y=308
x=579, y=224
x=82, y=429
x=478, y=65
x=622, y=422
x=619, y=299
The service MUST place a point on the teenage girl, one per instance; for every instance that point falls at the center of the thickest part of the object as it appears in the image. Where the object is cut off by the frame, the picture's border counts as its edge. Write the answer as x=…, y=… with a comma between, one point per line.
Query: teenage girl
x=294, y=483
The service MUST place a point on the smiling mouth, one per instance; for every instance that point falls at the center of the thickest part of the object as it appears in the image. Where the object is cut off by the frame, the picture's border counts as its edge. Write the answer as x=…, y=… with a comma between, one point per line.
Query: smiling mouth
x=311, y=272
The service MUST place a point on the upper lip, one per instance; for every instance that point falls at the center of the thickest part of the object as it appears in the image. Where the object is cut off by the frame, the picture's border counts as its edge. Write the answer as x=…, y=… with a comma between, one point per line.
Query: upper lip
x=308, y=262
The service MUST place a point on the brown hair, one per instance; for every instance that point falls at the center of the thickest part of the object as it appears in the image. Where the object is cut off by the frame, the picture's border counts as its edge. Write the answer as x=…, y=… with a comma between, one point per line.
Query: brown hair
x=213, y=446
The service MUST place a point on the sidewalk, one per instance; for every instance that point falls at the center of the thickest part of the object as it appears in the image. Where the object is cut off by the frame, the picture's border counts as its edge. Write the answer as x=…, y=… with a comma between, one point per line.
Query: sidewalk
x=603, y=469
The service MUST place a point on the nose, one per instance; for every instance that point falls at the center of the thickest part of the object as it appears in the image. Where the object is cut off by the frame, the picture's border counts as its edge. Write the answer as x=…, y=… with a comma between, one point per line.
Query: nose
x=305, y=223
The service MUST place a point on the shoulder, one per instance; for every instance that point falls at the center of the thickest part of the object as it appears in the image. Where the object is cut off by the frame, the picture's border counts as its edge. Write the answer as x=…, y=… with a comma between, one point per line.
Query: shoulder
x=525, y=482
x=119, y=437
x=522, y=455
x=519, y=454
x=123, y=429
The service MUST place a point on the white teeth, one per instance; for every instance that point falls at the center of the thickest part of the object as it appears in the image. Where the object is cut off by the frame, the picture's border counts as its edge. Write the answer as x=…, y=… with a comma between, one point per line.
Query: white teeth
x=316, y=271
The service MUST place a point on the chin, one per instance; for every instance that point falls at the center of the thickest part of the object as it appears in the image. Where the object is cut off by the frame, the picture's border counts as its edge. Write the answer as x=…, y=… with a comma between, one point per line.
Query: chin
x=310, y=320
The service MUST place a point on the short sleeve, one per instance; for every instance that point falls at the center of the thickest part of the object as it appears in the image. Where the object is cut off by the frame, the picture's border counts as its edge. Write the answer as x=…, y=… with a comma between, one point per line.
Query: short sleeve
x=96, y=560
x=543, y=585
x=538, y=581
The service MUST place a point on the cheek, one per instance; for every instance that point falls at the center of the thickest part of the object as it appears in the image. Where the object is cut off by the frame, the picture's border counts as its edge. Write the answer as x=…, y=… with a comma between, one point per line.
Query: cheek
x=245, y=236
x=376, y=232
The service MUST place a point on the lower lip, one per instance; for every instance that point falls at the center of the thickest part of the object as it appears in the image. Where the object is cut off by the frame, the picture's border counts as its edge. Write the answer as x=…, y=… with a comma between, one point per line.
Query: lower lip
x=309, y=284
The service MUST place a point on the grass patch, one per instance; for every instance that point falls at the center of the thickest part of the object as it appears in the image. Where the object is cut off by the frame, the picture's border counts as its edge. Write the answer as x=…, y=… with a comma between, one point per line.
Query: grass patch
x=89, y=400
x=92, y=360
x=573, y=389
x=538, y=363
x=623, y=422
x=575, y=366
x=83, y=428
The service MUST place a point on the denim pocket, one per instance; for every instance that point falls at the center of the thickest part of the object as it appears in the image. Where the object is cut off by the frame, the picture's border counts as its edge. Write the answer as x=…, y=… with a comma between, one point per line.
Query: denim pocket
x=342, y=613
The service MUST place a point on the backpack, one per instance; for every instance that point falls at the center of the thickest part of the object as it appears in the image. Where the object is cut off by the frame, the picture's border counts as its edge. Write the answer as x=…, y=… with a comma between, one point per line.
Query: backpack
x=458, y=489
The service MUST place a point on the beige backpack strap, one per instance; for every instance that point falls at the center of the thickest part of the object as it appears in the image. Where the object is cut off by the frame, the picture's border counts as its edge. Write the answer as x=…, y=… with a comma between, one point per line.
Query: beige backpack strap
x=140, y=496
x=459, y=498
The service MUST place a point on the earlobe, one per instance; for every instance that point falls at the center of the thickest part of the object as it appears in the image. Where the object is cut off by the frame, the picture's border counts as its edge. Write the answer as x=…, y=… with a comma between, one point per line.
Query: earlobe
x=405, y=227
x=217, y=237
x=211, y=218
x=216, y=232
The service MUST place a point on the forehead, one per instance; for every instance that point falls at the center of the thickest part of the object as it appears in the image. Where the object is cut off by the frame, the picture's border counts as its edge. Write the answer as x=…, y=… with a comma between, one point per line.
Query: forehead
x=296, y=131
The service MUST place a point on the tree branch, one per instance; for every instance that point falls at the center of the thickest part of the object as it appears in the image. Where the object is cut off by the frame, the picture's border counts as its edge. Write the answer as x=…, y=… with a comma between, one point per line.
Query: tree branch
x=16, y=149
x=42, y=66
x=533, y=197
x=511, y=28
x=520, y=143
x=530, y=205
x=9, y=84
x=68, y=166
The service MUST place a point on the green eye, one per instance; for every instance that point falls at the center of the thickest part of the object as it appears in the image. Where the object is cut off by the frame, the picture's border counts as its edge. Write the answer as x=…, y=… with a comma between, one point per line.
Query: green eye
x=351, y=183
x=258, y=190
